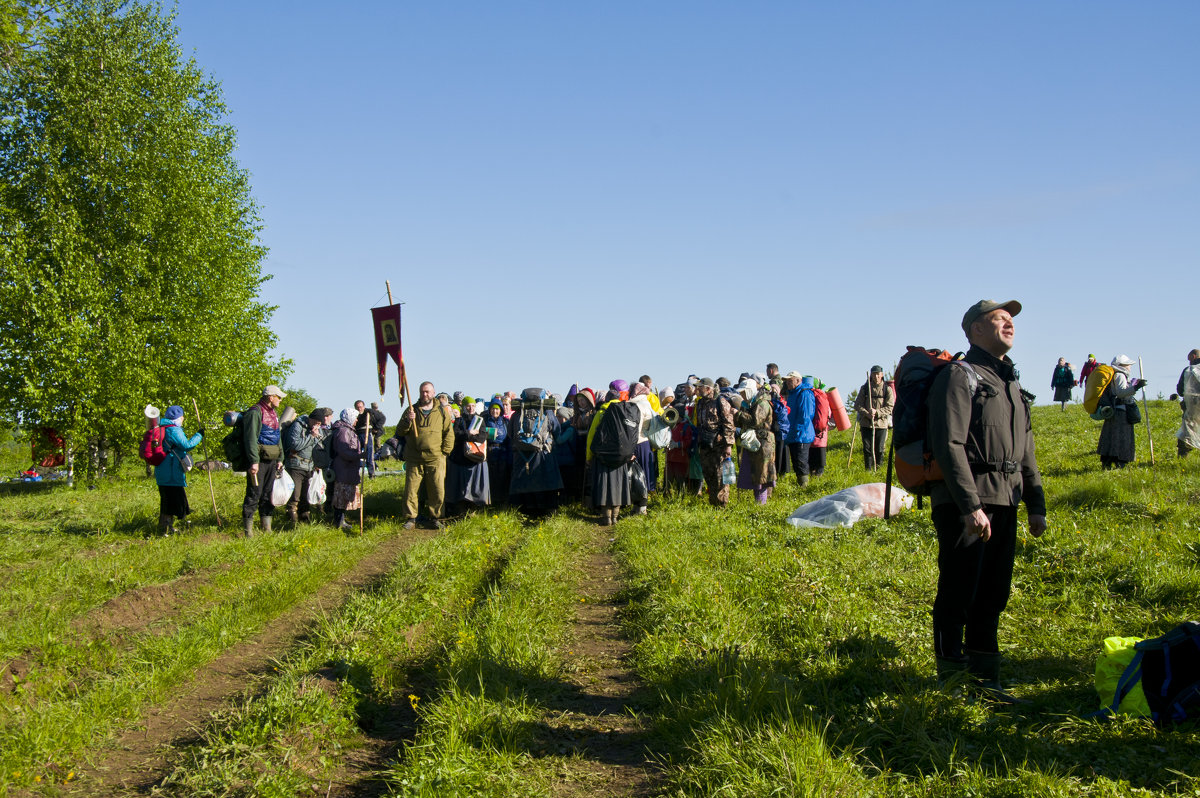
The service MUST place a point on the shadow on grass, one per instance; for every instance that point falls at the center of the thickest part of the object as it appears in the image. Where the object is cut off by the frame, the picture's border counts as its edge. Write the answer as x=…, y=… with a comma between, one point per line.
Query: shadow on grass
x=890, y=717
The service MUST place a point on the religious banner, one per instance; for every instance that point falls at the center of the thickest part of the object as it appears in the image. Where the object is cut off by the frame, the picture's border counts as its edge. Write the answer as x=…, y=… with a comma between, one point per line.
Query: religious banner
x=387, y=342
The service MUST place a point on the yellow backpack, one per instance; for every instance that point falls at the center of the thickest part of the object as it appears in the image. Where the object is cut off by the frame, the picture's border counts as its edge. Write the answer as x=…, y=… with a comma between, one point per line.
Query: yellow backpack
x=1097, y=382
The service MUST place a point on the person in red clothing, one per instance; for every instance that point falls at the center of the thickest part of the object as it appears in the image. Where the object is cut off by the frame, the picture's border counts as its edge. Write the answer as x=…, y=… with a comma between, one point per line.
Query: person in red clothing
x=816, y=452
x=1087, y=369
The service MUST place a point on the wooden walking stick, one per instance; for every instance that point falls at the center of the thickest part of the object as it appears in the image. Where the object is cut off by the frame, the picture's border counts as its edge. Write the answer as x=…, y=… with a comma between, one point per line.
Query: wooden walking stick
x=211, y=491
x=1146, y=412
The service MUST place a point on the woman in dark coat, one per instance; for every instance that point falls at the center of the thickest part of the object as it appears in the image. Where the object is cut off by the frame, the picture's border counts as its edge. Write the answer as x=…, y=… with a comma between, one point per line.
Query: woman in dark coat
x=1062, y=382
x=1117, y=447
x=467, y=480
x=499, y=456
x=346, y=451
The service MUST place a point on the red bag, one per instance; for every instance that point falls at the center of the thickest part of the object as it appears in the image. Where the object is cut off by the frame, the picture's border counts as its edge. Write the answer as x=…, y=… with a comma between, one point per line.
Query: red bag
x=152, y=450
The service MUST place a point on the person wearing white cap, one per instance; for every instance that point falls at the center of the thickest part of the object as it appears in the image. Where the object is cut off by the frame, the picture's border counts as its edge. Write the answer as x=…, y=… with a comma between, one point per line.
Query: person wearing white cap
x=264, y=452
x=1116, y=447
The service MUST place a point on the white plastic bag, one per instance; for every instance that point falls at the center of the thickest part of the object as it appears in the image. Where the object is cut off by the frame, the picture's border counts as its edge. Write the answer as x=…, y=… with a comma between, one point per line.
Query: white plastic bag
x=281, y=493
x=316, y=488
x=749, y=441
x=846, y=507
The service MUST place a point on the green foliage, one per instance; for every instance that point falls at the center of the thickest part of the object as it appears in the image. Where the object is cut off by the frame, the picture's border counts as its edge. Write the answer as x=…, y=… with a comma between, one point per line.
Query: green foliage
x=301, y=400
x=128, y=236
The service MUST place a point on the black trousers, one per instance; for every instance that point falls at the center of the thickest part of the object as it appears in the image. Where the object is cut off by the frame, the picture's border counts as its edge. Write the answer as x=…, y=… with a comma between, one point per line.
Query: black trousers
x=258, y=496
x=798, y=452
x=974, y=581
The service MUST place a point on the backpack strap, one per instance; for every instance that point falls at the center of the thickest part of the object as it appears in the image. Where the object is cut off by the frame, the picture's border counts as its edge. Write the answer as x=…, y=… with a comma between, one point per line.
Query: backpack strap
x=1131, y=676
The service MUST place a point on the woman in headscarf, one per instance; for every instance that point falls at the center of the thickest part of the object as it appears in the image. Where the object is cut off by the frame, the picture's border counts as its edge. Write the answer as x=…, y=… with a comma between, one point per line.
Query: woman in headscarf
x=499, y=455
x=585, y=413
x=756, y=470
x=170, y=474
x=1116, y=447
x=346, y=450
x=467, y=479
x=644, y=454
x=610, y=479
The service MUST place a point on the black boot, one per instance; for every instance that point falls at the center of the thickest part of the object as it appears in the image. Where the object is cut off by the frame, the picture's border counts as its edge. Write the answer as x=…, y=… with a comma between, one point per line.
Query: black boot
x=985, y=667
x=951, y=670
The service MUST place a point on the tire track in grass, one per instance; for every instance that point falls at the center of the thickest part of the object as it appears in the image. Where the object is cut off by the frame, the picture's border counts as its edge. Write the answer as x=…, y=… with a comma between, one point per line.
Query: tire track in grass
x=600, y=719
x=364, y=772
x=139, y=759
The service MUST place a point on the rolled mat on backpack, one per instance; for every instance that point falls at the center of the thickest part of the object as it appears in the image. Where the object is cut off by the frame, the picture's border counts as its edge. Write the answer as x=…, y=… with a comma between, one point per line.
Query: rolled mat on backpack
x=837, y=410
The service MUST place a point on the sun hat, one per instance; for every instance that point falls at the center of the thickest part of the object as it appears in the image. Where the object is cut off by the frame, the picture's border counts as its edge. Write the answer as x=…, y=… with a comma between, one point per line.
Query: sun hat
x=274, y=390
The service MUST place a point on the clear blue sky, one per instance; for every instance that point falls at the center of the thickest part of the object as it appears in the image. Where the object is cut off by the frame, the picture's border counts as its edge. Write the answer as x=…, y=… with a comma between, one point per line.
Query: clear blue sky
x=570, y=192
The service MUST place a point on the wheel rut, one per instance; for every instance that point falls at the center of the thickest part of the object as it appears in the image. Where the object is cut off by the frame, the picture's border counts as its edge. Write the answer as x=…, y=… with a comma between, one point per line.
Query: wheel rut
x=139, y=760
x=599, y=722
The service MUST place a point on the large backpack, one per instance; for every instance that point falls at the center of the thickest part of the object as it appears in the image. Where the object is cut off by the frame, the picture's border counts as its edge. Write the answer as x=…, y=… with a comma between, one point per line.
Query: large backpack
x=1167, y=670
x=910, y=453
x=152, y=449
x=234, y=444
x=533, y=429
x=1097, y=383
x=617, y=434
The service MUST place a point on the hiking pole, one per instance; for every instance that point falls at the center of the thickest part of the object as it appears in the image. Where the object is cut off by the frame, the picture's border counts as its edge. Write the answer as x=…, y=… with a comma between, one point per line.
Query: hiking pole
x=853, y=432
x=1146, y=412
x=211, y=491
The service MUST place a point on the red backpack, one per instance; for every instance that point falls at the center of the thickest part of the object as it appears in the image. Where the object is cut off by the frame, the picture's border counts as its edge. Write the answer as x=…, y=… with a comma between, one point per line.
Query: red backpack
x=152, y=450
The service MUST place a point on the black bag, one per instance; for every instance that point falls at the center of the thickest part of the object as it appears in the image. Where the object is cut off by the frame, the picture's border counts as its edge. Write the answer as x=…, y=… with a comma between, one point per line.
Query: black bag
x=638, y=491
x=1133, y=413
x=1169, y=670
x=617, y=434
x=234, y=444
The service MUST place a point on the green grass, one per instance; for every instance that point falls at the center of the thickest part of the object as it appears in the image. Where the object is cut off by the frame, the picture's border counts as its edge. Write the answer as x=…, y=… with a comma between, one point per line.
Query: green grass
x=775, y=660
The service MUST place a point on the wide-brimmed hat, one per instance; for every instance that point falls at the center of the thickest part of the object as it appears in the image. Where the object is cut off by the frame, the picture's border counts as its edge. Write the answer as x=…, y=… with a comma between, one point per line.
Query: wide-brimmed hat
x=987, y=306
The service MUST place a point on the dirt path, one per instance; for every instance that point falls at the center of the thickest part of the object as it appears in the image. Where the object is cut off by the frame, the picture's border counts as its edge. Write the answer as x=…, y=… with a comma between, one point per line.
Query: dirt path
x=139, y=759
x=596, y=721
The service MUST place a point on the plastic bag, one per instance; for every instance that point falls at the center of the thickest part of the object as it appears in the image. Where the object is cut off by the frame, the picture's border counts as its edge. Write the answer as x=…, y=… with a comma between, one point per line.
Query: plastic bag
x=282, y=491
x=316, y=488
x=637, y=482
x=658, y=432
x=846, y=507
x=749, y=441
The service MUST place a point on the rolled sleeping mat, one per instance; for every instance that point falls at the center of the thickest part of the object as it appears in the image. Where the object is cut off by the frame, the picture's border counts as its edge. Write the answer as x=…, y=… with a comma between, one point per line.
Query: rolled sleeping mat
x=837, y=409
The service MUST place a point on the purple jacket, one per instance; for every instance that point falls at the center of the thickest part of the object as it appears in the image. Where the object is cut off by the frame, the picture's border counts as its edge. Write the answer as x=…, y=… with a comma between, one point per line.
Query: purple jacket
x=345, y=453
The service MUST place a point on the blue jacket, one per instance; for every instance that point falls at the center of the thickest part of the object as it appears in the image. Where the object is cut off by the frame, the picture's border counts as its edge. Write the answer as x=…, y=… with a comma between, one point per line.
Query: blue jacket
x=169, y=473
x=802, y=405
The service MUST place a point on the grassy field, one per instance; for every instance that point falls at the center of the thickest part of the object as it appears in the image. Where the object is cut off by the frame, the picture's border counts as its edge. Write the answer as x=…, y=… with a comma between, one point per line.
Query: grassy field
x=691, y=652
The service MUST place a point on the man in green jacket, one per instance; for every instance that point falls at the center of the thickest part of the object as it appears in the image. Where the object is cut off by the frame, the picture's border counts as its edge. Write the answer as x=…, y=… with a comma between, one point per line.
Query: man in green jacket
x=428, y=431
x=981, y=435
x=264, y=451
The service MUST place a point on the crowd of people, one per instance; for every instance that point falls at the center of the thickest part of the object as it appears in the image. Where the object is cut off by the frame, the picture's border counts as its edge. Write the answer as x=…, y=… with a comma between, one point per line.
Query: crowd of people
x=533, y=449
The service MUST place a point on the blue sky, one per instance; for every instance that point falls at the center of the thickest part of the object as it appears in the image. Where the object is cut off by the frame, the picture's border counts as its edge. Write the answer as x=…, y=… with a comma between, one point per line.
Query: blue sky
x=569, y=193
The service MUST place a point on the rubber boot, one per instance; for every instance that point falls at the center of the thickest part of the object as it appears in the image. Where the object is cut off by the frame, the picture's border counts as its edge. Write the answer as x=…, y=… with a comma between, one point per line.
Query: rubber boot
x=803, y=480
x=293, y=516
x=985, y=667
x=951, y=670
x=266, y=523
x=248, y=526
x=164, y=524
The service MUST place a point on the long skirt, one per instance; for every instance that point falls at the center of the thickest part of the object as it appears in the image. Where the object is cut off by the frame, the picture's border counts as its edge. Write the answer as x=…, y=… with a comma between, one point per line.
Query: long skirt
x=1062, y=393
x=610, y=486
x=499, y=474
x=172, y=500
x=1116, y=439
x=468, y=483
x=646, y=458
x=346, y=496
